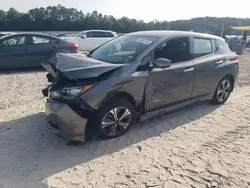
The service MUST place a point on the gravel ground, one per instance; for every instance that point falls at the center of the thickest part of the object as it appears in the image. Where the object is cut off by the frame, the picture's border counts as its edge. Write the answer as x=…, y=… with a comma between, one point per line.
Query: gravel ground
x=201, y=146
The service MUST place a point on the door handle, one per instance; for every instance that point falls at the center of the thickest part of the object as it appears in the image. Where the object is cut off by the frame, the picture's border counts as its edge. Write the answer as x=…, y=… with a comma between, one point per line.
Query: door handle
x=189, y=69
x=27, y=49
x=219, y=62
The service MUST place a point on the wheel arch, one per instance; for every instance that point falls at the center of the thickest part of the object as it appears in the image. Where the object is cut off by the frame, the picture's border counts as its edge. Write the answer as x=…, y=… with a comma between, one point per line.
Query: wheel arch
x=123, y=95
x=232, y=79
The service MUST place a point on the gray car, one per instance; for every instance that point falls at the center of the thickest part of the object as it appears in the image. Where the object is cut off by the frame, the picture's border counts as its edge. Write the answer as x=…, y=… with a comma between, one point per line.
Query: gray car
x=28, y=50
x=135, y=77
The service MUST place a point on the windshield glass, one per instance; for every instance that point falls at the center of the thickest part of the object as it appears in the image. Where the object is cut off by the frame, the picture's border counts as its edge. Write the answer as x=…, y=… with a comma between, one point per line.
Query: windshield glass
x=123, y=49
x=78, y=35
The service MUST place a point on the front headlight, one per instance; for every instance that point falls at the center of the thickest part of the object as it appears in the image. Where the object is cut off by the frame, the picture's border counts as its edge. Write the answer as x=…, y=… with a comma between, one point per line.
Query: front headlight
x=71, y=92
x=75, y=91
x=54, y=94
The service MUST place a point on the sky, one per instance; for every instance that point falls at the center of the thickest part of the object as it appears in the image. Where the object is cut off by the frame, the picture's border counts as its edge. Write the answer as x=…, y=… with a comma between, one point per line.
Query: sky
x=144, y=9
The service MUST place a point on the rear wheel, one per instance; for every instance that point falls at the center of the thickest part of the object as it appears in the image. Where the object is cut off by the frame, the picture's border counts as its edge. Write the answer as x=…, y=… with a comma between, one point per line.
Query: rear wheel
x=114, y=119
x=223, y=91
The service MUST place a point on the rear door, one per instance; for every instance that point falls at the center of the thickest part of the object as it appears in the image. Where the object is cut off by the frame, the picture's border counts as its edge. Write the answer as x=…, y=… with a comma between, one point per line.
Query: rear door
x=109, y=36
x=14, y=52
x=41, y=48
x=99, y=38
x=207, y=60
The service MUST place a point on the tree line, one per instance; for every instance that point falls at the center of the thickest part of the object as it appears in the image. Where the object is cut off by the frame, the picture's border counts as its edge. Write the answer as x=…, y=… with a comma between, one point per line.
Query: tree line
x=60, y=18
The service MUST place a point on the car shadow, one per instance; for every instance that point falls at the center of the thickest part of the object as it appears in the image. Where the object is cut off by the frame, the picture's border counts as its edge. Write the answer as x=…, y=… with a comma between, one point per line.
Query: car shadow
x=29, y=152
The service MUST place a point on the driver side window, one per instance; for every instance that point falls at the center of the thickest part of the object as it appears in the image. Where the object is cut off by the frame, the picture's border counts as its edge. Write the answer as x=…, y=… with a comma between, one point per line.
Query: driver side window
x=14, y=41
x=176, y=50
x=89, y=34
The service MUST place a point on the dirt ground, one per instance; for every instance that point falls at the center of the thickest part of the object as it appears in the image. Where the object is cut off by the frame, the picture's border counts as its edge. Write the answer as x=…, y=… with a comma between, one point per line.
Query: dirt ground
x=202, y=146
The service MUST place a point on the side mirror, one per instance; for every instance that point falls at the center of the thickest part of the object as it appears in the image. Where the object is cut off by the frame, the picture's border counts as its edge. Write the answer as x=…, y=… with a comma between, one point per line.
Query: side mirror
x=162, y=63
x=84, y=36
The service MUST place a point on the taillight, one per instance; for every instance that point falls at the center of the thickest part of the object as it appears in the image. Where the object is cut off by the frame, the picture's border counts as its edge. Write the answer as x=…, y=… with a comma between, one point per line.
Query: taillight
x=234, y=57
x=74, y=46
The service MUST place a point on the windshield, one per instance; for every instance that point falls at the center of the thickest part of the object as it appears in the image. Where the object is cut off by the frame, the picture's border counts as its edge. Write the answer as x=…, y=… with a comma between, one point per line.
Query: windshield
x=78, y=35
x=123, y=49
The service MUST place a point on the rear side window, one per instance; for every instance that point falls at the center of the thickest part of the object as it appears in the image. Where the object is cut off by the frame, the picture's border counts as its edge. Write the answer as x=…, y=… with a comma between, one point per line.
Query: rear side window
x=108, y=34
x=42, y=40
x=99, y=34
x=224, y=48
x=202, y=47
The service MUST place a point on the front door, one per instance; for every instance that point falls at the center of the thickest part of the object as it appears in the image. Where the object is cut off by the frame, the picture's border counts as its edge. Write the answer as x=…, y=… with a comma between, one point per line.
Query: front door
x=169, y=86
x=41, y=48
x=86, y=43
x=14, y=52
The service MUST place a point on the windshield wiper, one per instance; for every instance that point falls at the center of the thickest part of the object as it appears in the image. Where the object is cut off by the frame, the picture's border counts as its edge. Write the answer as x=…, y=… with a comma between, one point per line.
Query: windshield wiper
x=89, y=54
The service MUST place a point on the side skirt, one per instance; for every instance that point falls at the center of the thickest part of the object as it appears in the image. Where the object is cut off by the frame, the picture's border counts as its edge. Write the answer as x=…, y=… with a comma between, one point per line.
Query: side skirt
x=173, y=108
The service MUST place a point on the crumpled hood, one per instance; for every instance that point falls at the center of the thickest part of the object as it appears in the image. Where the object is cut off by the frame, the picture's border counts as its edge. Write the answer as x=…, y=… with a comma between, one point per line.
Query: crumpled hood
x=77, y=66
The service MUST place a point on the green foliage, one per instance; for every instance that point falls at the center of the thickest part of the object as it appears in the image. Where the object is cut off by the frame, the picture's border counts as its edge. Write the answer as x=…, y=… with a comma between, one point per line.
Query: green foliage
x=60, y=18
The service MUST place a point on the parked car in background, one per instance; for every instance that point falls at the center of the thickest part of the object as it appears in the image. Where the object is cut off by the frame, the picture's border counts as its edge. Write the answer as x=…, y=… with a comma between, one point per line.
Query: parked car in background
x=248, y=41
x=26, y=50
x=91, y=39
x=2, y=34
x=135, y=77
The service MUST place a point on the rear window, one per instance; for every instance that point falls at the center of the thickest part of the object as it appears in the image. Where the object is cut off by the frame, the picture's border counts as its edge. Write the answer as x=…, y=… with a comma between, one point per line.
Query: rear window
x=202, y=47
x=108, y=34
x=224, y=46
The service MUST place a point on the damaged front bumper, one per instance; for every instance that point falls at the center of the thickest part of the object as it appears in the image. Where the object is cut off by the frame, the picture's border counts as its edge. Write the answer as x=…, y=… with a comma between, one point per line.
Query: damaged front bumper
x=64, y=120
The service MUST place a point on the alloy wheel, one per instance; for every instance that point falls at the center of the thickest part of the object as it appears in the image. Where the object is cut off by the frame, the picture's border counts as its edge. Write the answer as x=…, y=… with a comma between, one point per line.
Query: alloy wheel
x=116, y=121
x=224, y=90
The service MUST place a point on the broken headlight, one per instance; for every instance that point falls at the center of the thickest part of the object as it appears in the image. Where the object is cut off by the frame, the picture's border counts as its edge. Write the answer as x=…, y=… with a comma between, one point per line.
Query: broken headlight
x=70, y=92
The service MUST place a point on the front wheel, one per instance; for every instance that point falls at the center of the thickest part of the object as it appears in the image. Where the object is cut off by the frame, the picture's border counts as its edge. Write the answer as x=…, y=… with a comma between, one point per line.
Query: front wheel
x=114, y=119
x=223, y=91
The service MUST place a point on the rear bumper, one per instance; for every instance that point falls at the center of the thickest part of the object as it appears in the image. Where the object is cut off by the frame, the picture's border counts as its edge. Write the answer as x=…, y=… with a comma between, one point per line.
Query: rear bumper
x=63, y=120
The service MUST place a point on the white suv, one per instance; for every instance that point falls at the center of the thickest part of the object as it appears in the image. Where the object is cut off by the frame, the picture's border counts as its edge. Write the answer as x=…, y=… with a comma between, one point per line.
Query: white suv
x=90, y=39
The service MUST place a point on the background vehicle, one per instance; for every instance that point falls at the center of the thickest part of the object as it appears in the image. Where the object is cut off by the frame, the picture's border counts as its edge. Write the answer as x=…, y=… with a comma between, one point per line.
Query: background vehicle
x=91, y=39
x=135, y=77
x=2, y=34
x=30, y=49
x=248, y=41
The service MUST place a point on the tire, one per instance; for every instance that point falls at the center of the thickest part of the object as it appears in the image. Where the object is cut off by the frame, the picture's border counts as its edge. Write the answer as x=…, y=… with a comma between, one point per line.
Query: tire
x=223, y=91
x=105, y=123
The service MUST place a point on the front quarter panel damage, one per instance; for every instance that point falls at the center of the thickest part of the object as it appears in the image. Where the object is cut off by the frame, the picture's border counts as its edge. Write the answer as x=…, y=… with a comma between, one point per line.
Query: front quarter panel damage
x=133, y=85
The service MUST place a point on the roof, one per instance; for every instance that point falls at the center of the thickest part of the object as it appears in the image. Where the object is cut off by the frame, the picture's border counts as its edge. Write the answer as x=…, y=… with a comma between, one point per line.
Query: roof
x=241, y=27
x=97, y=30
x=172, y=33
x=31, y=33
